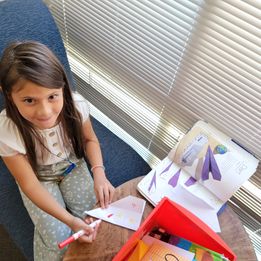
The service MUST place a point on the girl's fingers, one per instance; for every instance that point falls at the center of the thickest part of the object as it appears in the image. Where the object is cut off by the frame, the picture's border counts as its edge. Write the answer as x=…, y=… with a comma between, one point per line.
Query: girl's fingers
x=94, y=234
x=86, y=239
x=111, y=193
x=101, y=197
x=91, y=237
x=88, y=220
x=106, y=194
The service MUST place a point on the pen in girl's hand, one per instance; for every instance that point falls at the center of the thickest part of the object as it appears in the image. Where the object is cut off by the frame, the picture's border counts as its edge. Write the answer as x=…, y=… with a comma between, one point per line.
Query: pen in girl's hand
x=76, y=235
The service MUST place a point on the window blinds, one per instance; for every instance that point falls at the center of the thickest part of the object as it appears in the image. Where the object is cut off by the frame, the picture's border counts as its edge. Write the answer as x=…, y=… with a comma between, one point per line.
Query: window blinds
x=156, y=67
x=138, y=45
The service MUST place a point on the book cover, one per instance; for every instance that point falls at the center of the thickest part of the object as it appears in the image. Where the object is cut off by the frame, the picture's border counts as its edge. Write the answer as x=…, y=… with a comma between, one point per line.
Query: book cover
x=160, y=252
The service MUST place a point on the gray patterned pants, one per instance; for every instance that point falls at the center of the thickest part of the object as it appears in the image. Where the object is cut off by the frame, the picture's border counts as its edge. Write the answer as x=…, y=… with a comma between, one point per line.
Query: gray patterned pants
x=75, y=192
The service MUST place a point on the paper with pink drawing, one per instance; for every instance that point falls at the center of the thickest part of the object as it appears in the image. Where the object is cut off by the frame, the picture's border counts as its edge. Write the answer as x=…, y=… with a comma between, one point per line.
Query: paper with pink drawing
x=201, y=173
x=126, y=212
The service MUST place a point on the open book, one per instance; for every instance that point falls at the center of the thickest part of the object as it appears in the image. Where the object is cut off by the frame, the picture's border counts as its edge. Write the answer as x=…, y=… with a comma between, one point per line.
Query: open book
x=201, y=173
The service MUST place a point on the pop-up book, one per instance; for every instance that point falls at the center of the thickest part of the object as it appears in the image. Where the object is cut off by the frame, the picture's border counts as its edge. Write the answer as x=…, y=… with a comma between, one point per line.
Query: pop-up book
x=201, y=173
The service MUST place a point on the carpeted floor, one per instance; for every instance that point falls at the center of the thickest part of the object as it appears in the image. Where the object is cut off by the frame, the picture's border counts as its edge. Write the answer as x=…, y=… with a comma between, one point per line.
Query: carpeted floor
x=8, y=250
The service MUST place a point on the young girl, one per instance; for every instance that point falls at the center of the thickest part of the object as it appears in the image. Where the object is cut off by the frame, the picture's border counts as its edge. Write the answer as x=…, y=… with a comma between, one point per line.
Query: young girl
x=45, y=132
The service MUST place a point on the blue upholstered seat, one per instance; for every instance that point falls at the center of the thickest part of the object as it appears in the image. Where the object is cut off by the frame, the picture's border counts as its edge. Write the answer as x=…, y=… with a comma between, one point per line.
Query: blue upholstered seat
x=31, y=20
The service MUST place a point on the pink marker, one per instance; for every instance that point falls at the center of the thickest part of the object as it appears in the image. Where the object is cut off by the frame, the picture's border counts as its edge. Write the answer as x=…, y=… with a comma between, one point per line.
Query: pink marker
x=76, y=235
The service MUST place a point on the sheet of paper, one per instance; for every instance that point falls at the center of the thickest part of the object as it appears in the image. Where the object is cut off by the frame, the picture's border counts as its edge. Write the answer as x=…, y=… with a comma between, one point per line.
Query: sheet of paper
x=197, y=206
x=126, y=212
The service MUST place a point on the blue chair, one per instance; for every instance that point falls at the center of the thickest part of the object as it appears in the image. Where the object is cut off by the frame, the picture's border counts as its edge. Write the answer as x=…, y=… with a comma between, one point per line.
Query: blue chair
x=31, y=20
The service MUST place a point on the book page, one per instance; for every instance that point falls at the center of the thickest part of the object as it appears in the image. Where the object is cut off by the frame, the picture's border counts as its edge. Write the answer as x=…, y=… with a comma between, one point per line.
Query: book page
x=168, y=180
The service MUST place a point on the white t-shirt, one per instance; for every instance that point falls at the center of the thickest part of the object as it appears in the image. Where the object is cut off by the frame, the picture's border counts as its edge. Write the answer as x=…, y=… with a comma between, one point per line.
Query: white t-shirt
x=11, y=142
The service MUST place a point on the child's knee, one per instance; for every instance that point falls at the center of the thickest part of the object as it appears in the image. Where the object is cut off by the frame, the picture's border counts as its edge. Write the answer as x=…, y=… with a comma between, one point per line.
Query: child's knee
x=53, y=233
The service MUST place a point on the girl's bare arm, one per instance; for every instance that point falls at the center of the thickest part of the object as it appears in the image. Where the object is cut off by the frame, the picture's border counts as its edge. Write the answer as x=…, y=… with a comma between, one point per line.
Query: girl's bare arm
x=103, y=188
x=21, y=170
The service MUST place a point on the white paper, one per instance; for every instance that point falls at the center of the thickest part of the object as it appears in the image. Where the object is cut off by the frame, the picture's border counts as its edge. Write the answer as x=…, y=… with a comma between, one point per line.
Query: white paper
x=197, y=206
x=126, y=212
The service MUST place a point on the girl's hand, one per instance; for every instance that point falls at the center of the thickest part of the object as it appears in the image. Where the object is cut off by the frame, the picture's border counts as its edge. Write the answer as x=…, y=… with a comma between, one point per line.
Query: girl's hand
x=104, y=190
x=90, y=233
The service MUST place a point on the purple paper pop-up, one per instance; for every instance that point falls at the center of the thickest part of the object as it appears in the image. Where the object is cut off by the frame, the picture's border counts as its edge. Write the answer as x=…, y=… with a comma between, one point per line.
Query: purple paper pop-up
x=210, y=165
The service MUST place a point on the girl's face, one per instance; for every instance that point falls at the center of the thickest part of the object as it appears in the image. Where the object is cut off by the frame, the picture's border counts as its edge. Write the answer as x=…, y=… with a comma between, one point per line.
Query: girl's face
x=38, y=105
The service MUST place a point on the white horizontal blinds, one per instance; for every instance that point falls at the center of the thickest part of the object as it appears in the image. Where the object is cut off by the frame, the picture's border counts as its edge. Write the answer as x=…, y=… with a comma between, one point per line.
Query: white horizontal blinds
x=56, y=7
x=129, y=38
x=138, y=45
x=219, y=76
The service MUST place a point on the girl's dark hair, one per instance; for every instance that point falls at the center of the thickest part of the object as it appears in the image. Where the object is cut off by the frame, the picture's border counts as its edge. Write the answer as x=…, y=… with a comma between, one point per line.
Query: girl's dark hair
x=34, y=62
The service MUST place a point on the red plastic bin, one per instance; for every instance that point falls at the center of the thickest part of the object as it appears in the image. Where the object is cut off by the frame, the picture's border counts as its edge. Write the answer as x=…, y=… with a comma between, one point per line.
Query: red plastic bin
x=178, y=221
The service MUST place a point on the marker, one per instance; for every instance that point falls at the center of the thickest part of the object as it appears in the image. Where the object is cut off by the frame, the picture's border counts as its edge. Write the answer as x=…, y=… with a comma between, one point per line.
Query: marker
x=76, y=235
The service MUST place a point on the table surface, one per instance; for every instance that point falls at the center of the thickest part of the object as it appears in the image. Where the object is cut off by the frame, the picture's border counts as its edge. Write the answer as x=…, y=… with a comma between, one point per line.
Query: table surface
x=111, y=238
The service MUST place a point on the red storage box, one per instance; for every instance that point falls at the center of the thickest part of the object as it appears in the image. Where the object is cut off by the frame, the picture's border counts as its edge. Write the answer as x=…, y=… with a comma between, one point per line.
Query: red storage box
x=178, y=221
